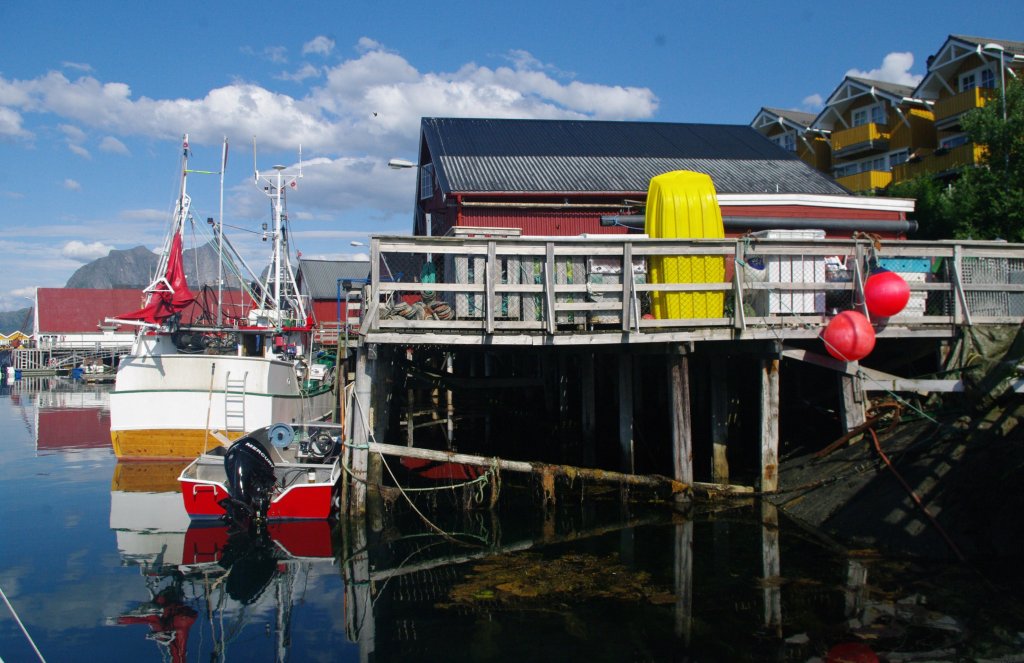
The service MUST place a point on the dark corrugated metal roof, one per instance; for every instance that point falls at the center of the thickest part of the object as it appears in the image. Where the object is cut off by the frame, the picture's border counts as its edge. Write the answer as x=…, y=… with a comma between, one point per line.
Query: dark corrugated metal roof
x=570, y=156
x=799, y=117
x=319, y=278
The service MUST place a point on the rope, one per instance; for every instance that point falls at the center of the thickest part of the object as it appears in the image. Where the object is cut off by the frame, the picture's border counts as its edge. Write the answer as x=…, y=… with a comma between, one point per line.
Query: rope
x=402, y=491
x=21, y=626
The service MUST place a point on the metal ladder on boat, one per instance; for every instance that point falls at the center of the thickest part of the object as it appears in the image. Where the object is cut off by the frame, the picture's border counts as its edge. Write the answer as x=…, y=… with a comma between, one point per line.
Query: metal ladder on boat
x=234, y=402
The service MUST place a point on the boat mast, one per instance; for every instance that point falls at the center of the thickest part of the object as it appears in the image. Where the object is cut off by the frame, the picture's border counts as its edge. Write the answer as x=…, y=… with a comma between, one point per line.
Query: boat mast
x=220, y=238
x=285, y=288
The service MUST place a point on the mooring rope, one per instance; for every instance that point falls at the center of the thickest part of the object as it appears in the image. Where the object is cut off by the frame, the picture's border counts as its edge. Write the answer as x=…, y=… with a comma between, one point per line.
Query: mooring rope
x=22, y=626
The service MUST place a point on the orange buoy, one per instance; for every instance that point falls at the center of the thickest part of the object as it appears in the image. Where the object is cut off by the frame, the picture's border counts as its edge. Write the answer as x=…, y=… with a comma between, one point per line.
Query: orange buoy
x=885, y=293
x=849, y=336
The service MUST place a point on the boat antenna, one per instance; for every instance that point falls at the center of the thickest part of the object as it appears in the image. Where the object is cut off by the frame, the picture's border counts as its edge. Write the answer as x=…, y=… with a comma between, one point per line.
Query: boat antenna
x=255, y=170
x=220, y=238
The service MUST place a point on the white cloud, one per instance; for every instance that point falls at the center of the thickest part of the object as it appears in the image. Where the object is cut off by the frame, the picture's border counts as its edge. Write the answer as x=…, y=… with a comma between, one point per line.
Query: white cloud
x=143, y=215
x=78, y=66
x=72, y=185
x=113, y=145
x=813, y=101
x=10, y=124
x=76, y=250
x=79, y=150
x=320, y=45
x=305, y=72
x=895, y=69
x=363, y=111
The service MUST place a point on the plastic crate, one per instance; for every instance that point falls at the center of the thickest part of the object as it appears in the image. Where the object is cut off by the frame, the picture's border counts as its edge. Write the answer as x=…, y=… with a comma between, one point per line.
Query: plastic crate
x=789, y=269
x=903, y=265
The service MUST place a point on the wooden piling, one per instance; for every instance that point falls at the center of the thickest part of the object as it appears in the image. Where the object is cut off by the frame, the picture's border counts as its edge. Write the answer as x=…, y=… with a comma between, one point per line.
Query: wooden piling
x=682, y=428
x=720, y=422
x=769, y=425
x=625, y=393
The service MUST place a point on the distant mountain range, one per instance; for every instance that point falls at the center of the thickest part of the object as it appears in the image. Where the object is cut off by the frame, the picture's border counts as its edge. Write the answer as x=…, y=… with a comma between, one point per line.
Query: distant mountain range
x=134, y=268
x=131, y=268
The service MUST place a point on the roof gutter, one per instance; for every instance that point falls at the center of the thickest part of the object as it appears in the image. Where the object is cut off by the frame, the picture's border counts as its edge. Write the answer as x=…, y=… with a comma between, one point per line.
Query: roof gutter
x=636, y=222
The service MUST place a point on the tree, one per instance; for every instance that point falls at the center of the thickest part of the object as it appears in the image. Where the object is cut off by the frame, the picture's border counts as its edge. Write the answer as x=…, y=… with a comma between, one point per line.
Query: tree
x=986, y=202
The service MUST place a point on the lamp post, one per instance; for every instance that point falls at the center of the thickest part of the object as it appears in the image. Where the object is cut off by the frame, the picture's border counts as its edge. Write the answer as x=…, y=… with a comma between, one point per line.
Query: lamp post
x=993, y=47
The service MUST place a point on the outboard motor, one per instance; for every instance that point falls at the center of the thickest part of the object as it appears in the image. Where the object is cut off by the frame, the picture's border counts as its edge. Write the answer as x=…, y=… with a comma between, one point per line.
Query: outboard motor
x=250, y=475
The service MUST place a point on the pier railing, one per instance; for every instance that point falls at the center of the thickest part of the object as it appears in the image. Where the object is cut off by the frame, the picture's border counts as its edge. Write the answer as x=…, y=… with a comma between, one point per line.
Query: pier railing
x=780, y=284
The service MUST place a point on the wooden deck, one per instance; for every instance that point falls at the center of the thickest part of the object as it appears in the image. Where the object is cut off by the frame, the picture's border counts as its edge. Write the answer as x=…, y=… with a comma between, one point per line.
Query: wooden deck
x=570, y=290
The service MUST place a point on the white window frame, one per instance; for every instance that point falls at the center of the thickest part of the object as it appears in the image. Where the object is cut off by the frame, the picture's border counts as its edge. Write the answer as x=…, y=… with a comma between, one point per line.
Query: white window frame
x=427, y=181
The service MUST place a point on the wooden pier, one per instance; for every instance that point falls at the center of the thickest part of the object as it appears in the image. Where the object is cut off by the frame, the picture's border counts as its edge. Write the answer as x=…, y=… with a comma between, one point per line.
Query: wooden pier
x=570, y=321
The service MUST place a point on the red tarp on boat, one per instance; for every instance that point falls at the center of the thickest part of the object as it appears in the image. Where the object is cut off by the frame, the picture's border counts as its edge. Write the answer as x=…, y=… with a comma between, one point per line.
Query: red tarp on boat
x=171, y=296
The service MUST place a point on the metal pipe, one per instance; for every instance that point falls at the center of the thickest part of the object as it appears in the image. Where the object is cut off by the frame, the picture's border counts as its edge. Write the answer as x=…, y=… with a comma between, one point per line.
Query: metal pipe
x=636, y=222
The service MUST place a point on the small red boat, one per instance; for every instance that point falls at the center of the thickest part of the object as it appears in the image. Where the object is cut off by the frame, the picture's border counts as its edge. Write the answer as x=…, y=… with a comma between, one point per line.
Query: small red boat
x=274, y=473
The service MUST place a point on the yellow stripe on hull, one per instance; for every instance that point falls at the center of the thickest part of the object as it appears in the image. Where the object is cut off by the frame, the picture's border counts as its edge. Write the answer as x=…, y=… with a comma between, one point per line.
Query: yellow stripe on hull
x=154, y=444
x=150, y=476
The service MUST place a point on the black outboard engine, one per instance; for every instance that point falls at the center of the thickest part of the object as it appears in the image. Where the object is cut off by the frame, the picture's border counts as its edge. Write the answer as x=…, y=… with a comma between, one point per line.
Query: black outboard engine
x=250, y=474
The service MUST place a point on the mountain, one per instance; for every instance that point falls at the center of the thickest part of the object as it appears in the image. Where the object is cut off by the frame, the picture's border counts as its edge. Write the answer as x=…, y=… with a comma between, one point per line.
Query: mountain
x=134, y=268
x=20, y=320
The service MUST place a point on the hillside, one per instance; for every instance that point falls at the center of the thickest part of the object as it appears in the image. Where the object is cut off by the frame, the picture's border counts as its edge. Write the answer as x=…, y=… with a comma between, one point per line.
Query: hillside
x=134, y=268
x=12, y=321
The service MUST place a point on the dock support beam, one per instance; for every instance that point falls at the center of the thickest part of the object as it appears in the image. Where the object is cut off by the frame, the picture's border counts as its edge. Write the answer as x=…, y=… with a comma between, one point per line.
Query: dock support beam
x=769, y=425
x=588, y=409
x=851, y=402
x=682, y=427
x=720, y=424
x=361, y=425
x=626, y=413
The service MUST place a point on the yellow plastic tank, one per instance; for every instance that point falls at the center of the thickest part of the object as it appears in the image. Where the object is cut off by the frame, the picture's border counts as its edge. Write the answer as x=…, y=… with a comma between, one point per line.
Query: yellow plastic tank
x=683, y=205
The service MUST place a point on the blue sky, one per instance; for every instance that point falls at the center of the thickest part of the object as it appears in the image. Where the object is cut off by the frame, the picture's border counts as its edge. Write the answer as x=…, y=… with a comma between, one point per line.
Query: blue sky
x=95, y=96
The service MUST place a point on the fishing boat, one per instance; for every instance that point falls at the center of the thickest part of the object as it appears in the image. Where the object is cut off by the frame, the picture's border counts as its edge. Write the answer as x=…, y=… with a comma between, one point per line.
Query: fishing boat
x=274, y=473
x=185, y=387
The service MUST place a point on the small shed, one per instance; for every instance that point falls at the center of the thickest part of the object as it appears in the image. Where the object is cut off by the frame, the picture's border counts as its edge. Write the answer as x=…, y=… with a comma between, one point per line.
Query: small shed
x=323, y=282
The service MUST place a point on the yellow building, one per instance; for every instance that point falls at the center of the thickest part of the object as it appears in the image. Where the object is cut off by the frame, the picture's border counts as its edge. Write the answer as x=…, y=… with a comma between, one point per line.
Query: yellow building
x=874, y=126
x=791, y=130
x=966, y=73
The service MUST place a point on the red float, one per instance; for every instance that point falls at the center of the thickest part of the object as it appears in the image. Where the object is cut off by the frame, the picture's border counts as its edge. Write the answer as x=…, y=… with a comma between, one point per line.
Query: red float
x=885, y=293
x=849, y=336
x=851, y=652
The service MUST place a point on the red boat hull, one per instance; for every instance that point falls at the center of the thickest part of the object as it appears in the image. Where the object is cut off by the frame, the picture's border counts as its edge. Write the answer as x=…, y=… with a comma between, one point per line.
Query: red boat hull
x=304, y=501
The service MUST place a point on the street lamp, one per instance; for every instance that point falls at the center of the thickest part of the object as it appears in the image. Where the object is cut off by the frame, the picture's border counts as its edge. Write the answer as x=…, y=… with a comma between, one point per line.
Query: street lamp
x=998, y=48
x=398, y=164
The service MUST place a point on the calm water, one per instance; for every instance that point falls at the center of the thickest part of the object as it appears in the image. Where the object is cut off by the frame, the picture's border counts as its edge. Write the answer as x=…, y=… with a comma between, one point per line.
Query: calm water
x=100, y=563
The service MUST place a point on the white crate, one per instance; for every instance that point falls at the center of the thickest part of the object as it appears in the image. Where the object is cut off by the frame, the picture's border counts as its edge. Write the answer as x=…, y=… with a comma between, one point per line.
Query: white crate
x=916, y=305
x=790, y=269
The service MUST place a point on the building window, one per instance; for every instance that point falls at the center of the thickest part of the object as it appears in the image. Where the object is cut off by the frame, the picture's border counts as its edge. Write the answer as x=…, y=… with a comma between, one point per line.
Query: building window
x=427, y=181
x=860, y=116
x=988, y=78
x=896, y=158
x=968, y=81
x=878, y=114
x=786, y=141
x=953, y=141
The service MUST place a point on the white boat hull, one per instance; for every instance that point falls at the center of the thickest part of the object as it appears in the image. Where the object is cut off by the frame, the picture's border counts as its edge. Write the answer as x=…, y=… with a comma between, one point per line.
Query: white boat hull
x=166, y=405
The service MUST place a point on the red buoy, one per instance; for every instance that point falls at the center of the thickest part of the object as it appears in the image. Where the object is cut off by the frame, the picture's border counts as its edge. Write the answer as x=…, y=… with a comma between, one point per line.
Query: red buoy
x=851, y=652
x=849, y=336
x=885, y=293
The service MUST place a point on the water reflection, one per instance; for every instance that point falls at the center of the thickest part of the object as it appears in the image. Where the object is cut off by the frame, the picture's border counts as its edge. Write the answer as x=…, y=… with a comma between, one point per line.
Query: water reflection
x=120, y=568
x=227, y=585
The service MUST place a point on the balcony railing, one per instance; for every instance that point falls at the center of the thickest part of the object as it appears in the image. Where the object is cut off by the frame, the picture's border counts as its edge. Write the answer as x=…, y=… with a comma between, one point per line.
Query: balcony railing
x=537, y=291
x=939, y=162
x=867, y=136
x=871, y=180
x=951, y=107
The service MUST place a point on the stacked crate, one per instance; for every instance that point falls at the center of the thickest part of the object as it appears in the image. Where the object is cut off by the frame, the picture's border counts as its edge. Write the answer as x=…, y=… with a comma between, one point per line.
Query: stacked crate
x=913, y=271
x=789, y=269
